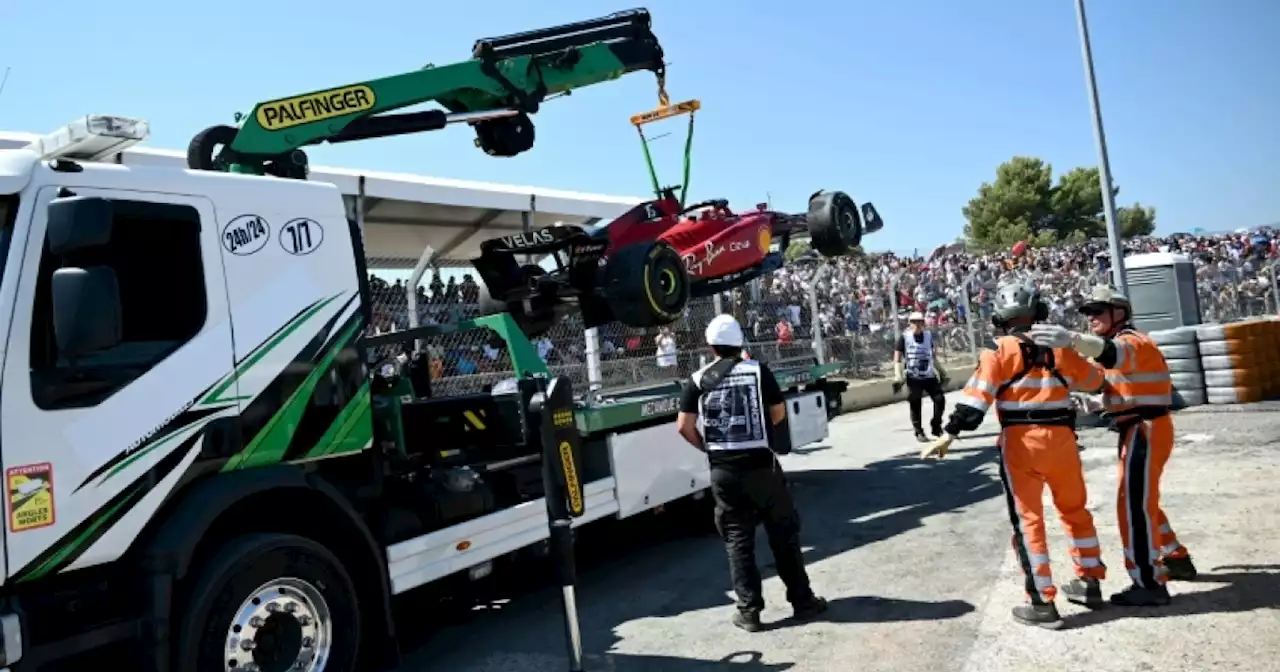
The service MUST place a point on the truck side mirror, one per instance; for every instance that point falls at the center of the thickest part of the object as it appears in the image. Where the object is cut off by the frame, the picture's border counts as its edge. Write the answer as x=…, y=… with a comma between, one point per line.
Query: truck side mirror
x=871, y=221
x=78, y=222
x=86, y=310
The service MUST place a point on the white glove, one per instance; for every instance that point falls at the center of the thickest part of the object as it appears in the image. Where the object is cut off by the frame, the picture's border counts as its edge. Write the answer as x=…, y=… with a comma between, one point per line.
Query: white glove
x=938, y=447
x=1051, y=335
x=1054, y=336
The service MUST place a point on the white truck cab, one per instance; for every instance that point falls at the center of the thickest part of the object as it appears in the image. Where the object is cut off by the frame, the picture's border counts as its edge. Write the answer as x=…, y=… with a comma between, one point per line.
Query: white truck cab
x=141, y=309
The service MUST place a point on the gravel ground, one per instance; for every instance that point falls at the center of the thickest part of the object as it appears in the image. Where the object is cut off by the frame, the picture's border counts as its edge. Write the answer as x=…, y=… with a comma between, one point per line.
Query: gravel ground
x=916, y=561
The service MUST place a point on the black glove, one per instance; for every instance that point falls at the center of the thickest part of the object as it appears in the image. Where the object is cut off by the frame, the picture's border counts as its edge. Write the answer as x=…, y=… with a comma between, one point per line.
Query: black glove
x=897, y=387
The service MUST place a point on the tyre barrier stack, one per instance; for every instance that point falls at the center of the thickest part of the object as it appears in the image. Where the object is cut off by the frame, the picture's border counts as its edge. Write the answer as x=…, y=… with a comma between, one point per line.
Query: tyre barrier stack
x=1240, y=361
x=1181, y=351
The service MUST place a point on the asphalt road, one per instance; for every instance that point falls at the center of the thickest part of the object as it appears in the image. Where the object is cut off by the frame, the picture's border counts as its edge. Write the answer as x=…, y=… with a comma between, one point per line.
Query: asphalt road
x=916, y=560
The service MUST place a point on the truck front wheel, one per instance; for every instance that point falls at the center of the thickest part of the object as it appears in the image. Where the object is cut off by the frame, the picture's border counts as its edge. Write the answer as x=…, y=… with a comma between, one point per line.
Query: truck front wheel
x=270, y=602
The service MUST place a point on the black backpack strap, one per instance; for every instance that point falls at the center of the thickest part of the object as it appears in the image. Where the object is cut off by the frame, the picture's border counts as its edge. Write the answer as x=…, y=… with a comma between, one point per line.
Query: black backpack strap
x=716, y=373
x=1033, y=356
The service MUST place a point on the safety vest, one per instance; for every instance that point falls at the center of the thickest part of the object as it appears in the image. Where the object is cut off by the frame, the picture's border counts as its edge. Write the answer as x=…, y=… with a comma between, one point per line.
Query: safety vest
x=1139, y=381
x=732, y=416
x=919, y=355
x=1029, y=384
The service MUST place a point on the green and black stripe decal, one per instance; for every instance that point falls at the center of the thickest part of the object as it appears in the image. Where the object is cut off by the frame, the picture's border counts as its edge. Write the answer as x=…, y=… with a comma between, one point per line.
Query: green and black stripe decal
x=72, y=545
x=165, y=436
x=212, y=399
x=288, y=420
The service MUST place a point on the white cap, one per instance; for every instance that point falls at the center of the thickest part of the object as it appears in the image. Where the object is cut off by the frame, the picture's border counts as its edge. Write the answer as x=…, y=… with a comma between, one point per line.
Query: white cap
x=916, y=317
x=725, y=330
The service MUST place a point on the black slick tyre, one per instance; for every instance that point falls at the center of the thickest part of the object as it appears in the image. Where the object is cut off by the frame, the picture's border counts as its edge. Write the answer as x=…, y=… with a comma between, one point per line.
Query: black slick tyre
x=646, y=285
x=835, y=227
x=270, y=599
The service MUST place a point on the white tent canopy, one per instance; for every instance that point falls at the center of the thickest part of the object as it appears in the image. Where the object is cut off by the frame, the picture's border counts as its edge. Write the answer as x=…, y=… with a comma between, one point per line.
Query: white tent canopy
x=403, y=214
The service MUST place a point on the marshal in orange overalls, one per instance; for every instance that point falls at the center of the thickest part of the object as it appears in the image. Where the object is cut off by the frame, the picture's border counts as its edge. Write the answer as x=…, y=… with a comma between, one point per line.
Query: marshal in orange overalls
x=1138, y=394
x=1030, y=387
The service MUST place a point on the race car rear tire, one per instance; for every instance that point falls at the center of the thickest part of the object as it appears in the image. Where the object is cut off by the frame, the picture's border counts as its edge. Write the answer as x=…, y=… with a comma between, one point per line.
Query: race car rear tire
x=646, y=285
x=835, y=227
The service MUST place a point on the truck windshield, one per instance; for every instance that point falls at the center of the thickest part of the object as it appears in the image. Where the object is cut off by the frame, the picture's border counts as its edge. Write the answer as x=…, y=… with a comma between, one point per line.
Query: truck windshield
x=8, y=212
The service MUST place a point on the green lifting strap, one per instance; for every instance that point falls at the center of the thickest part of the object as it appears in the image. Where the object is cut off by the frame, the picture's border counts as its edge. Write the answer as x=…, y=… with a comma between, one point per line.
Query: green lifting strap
x=663, y=112
x=688, y=161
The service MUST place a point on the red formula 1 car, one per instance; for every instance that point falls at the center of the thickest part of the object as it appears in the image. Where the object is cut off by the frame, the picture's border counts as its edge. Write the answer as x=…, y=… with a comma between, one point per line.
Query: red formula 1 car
x=641, y=268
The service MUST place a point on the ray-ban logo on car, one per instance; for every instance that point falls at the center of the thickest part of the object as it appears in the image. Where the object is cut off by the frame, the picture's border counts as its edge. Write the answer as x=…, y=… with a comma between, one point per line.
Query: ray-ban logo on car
x=695, y=265
x=530, y=239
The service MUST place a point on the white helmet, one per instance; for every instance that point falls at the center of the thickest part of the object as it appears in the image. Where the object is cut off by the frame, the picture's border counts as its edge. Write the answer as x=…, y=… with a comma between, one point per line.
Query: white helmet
x=725, y=330
x=917, y=316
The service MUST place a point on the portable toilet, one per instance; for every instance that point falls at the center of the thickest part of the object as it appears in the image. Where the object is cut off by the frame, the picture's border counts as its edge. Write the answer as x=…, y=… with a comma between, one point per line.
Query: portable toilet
x=1162, y=289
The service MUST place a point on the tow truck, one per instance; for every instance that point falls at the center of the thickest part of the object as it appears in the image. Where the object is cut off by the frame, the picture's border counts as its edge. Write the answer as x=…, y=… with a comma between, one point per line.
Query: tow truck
x=202, y=458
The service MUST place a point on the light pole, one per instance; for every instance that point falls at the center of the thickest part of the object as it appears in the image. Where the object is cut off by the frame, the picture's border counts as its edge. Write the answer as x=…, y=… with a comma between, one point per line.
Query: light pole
x=1118, y=276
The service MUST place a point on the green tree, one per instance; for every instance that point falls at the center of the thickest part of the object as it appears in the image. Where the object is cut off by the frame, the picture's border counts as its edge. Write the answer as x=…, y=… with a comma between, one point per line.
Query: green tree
x=796, y=250
x=1023, y=204
x=800, y=248
x=1136, y=220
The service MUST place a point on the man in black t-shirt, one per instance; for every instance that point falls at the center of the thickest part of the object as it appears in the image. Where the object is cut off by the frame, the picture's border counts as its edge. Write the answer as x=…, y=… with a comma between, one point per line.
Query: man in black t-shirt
x=742, y=408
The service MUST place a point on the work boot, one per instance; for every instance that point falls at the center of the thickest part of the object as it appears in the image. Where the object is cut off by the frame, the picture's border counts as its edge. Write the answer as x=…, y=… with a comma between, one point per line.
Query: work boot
x=1086, y=591
x=747, y=620
x=920, y=436
x=1041, y=615
x=810, y=608
x=1141, y=596
x=936, y=428
x=1180, y=569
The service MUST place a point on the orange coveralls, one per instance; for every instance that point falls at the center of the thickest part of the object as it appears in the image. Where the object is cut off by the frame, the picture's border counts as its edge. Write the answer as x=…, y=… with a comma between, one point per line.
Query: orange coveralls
x=1030, y=387
x=1138, y=394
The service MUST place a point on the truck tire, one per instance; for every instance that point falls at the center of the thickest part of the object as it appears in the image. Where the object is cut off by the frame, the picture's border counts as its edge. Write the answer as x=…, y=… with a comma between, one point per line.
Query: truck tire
x=835, y=227
x=202, y=148
x=274, y=598
x=646, y=285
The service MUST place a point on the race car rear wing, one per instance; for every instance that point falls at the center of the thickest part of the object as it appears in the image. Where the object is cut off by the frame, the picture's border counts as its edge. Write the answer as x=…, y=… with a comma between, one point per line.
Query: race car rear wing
x=575, y=272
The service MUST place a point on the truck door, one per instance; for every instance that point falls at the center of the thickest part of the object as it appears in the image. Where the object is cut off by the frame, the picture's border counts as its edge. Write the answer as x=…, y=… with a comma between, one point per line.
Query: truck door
x=295, y=309
x=94, y=444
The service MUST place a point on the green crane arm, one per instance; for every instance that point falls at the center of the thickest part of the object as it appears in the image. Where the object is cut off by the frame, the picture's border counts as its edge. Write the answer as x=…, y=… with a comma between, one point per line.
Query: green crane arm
x=506, y=80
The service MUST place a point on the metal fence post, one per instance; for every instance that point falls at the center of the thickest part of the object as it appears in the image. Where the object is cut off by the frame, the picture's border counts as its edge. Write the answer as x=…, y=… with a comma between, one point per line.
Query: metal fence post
x=594, y=377
x=411, y=291
x=1275, y=290
x=815, y=315
x=968, y=315
x=894, y=307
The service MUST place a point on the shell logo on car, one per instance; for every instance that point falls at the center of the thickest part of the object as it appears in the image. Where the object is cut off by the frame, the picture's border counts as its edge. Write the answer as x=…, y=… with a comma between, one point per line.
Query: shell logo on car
x=763, y=238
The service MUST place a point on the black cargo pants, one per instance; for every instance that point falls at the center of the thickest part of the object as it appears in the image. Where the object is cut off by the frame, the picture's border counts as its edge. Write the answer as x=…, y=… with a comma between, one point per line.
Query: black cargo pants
x=744, y=499
x=916, y=389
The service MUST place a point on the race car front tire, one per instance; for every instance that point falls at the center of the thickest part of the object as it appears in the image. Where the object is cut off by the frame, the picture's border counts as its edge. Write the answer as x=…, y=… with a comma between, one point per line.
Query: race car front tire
x=646, y=285
x=835, y=227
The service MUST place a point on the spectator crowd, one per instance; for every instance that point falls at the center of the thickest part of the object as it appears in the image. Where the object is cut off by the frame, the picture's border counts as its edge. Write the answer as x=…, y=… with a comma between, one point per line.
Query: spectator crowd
x=858, y=298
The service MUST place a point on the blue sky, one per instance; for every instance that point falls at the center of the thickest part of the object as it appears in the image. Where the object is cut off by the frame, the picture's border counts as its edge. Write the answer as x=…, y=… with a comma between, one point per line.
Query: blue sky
x=910, y=105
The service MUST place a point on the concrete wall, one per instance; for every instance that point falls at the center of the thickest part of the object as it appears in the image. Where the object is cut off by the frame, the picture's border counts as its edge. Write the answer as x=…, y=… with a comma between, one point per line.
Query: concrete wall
x=872, y=393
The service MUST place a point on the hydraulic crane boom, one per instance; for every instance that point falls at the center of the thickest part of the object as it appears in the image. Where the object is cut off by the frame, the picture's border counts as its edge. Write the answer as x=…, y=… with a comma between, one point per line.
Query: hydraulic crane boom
x=506, y=80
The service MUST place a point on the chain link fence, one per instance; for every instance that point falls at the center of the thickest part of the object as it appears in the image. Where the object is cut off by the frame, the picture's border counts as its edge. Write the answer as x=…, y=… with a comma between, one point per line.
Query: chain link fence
x=842, y=313
x=1228, y=295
